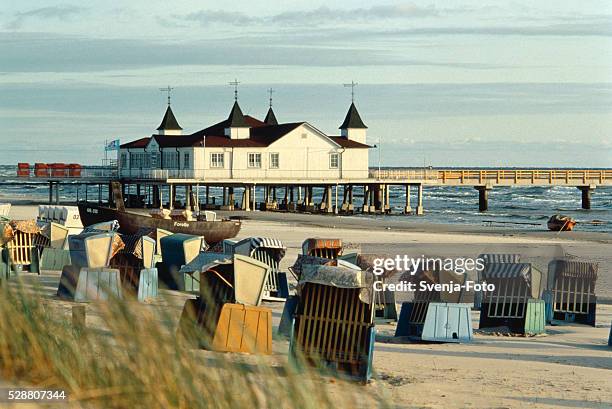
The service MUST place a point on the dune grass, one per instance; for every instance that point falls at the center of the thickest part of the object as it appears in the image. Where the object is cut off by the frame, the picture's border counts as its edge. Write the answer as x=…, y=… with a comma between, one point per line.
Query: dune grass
x=133, y=358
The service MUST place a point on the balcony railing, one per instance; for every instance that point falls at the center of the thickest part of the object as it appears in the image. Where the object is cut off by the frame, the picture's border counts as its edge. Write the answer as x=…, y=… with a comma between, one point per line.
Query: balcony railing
x=250, y=174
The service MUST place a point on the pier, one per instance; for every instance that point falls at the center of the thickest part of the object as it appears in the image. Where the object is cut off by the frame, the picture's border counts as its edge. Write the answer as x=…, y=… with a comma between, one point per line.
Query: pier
x=153, y=188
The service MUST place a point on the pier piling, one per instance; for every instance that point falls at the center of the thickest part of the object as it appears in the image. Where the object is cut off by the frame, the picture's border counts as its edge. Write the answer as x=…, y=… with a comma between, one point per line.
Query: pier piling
x=586, y=196
x=483, y=198
x=419, y=210
x=407, y=208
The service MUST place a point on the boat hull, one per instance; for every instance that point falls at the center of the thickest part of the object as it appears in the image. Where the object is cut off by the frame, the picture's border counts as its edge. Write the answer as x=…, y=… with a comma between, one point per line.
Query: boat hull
x=131, y=223
x=561, y=223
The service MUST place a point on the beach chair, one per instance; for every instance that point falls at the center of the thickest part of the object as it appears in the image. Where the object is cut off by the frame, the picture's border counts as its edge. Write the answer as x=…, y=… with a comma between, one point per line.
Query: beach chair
x=136, y=266
x=227, y=316
x=5, y=264
x=333, y=321
x=178, y=250
x=227, y=246
x=5, y=209
x=109, y=226
x=488, y=258
x=69, y=216
x=302, y=260
x=270, y=252
x=515, y=301
x=325, y=248
x=89, y=276
x=21, y=245
x=157, y=235
x=436, y=316
x=385, y=309
x=570, y=294
x=52, y=246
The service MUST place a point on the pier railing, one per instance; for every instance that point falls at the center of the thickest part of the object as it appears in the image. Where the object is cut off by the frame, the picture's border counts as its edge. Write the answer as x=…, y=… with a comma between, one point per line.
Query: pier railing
x=404, y=174
x=497, y=176
x=526, y=176
x=426, y=176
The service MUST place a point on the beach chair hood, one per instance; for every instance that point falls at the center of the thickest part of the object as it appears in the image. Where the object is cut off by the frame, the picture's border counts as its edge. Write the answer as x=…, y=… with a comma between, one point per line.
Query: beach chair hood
x=525, y=271
x=440, y=276
x=498, y=258
x=265, y=242
x=25, y=226
x=303, y=260
x=341, y=277
x=561, y=268
x=508, y=270
x=139, y=246
x=110, y=226
x=94, y=249
x=249, y=275
x=366, y=262
x=205, y=261
x=310, y=244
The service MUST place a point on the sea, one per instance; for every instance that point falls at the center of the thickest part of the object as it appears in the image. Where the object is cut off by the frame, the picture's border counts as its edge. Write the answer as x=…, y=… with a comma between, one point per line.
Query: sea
x=513, y=207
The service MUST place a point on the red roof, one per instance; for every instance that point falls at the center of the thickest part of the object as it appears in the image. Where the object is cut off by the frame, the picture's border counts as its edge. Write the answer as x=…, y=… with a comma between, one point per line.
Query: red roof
x=348, y=143
x=138, y=143
x=261, y=135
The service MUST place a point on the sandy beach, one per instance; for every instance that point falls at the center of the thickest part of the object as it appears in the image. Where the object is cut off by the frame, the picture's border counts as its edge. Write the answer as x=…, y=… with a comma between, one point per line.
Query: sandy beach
x=570, y=366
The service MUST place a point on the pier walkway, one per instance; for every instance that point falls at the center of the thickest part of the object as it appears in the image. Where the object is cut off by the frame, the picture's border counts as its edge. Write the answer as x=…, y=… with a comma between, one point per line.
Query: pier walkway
x=375, y=187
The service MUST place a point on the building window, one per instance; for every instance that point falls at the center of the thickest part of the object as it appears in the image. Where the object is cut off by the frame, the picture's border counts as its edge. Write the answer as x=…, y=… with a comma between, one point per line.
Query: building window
x=217, y=160
x=274, y=161
x=170, y=160
x=186, y=161
x=139, y=160
x=123, y=160
x=254, y=160
x=154, y=160
x=333, y=160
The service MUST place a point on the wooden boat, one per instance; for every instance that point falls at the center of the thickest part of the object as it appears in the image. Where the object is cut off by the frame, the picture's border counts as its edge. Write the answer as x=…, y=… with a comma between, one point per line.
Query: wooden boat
x=559, y=222
x=131, y=223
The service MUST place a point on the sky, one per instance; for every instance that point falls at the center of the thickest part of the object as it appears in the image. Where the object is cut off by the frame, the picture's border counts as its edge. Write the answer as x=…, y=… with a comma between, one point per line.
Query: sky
x=440, y=83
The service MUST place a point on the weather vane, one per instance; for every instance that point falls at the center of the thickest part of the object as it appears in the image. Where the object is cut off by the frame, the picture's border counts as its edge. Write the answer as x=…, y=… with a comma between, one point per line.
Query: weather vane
x=168, y=89
x=235, y=84
x=270, y=91
x=353, y=84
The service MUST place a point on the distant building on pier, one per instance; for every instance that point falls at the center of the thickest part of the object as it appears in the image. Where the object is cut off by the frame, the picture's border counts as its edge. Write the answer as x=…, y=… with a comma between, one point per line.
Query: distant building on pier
x=243, y=147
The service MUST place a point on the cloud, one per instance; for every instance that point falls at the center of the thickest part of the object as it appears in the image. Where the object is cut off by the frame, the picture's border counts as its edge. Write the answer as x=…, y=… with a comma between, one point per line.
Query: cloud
x=62, y=12
x=312, y=17
x=42, y=52
x=576, y=29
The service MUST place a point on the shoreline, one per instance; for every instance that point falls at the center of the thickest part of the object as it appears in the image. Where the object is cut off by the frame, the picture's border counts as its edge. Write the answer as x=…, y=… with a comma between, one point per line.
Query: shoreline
x=401, y=223
x=395, y=222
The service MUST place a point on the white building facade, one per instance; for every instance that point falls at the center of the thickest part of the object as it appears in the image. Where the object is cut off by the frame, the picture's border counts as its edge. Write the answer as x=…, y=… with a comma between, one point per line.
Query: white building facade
x=243, y=148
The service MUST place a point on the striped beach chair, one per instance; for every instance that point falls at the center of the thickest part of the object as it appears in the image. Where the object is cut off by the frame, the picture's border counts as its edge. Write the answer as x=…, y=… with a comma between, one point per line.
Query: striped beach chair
x=135, y=263
x=570, y=294
x=488, y=258
x=438, y=316
x=514, y=303
x=270, y=252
